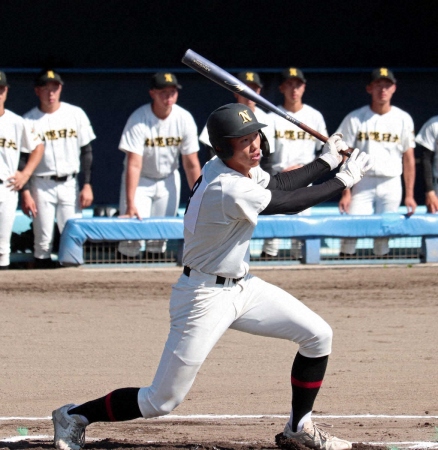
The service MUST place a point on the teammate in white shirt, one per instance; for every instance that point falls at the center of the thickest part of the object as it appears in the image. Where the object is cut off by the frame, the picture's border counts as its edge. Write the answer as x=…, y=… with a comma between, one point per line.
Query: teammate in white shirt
x=427, y=138
x=53, y=191
x=386, y=133
x=216, y=292
x=293, y=147
x=154, y=137
x=20, y=153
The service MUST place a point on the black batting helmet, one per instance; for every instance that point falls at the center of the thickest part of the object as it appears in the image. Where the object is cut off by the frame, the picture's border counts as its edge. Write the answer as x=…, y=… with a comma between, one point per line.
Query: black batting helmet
x=230, y=121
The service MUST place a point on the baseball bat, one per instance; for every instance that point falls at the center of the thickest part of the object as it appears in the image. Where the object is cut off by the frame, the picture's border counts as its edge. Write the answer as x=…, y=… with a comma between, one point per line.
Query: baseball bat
x=228, y=81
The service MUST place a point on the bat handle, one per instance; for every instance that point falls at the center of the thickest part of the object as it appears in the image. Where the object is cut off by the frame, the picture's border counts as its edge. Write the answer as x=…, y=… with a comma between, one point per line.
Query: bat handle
x=347, y=152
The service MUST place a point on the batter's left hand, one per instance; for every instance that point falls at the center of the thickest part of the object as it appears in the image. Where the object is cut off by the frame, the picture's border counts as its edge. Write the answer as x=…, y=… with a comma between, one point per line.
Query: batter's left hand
x=331, y=150
x=18, y=180
x=411, y=205
x=86, y=196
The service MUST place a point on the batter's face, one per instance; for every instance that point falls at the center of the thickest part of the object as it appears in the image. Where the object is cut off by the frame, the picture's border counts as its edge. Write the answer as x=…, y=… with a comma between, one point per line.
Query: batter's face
x=381, y=91
x=49, y=95
x=245, y=101
x=164, y=98
x=247, y=153
x=293, y=90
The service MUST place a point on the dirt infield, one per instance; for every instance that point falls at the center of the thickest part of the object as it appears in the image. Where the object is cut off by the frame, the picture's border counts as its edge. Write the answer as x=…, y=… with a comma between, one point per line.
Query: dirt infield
x=70, y=335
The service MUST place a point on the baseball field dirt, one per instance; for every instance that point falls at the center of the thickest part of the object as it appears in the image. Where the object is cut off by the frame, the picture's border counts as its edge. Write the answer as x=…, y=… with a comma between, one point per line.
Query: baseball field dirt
x=74, y=334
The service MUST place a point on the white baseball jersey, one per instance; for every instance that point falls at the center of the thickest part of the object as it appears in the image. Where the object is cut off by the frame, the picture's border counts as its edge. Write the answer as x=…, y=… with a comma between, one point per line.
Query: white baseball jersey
x=160, y=141
x=262, y=117
x=15, y=137
x=223, y=208
x=385, y=137
x=428, y=138
x=64, y=132
x=292, y=144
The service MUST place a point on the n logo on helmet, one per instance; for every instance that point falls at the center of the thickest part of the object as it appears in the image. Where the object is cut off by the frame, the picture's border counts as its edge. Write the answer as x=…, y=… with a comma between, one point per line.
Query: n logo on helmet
x=168, y=77
x=383, y=72
x=50, y=74
x=249, y=76
x=245, y=116
x=293, y=72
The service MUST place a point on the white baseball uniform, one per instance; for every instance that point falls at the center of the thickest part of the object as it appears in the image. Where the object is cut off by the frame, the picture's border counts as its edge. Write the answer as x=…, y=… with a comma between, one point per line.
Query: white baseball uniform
x=160, y=142
x=223, y=208
x=385, y=138
x=428, y=138
x=15, y=137
x=293, y=146
x=262, y=117
x=63, y=132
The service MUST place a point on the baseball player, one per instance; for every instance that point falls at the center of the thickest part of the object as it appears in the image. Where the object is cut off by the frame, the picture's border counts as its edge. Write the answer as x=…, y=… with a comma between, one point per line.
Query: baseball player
x=293, y=146
x=53, y=191
x=216, y=291
x=427, y=138
x=251, y=79
x=386, y=133
x=154, y=137
x=20, y=153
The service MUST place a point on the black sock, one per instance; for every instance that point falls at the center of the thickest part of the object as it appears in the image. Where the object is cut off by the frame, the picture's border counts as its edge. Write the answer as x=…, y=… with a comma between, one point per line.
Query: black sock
x=116, y=406
x=306, y=378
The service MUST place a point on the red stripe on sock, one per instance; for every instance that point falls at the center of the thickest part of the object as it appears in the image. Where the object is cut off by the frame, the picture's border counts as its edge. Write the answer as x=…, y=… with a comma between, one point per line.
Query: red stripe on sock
x=109, y=411
x=306, y=384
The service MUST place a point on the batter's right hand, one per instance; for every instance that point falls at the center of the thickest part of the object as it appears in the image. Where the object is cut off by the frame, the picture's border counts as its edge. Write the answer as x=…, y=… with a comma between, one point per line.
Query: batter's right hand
x=353, y=169
x=28, y=204
x=130, y=213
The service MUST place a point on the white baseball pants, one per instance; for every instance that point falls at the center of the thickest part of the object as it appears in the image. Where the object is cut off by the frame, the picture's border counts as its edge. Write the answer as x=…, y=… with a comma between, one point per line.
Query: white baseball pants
x=54, y=199
x=153, y=198
x=376, y=195
x=8, y=207
x=201, y=312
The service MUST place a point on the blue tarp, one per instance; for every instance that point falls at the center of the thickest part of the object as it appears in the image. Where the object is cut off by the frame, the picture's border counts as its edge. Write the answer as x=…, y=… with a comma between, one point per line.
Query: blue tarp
x=78, y=231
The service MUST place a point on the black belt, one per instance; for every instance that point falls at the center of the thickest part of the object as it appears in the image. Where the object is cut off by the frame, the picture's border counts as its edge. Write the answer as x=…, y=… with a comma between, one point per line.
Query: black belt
x=1, y=181
x=219, y=279
x=56, y=178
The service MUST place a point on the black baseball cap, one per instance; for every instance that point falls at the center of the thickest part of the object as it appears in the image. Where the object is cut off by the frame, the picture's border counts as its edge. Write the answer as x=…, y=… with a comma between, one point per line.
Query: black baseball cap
x=250, y=77
x=162, y=80
x=382, y=72
x=3, y=79
x=46, y=76
x=293, y=72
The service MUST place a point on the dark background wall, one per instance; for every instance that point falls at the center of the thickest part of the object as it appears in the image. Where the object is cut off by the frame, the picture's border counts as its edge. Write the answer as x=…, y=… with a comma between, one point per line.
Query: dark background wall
x=107, y=50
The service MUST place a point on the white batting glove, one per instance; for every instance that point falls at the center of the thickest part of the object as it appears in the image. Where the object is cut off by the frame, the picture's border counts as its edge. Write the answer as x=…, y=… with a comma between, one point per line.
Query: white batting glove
x=352, y=171
x=331, y=150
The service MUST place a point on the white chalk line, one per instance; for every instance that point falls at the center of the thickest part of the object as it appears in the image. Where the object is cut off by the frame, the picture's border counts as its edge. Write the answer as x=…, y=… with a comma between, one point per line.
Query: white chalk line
x=257, y=416
x=406, y=444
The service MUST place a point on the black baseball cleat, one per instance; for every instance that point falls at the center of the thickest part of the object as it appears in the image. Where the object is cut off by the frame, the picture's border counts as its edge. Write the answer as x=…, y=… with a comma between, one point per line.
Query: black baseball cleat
x=46, y=263
x=347, y=255
x=267, y=256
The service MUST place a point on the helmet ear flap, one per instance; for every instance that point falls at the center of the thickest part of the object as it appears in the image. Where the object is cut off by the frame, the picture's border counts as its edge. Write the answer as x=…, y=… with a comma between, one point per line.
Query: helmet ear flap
x=264, y=144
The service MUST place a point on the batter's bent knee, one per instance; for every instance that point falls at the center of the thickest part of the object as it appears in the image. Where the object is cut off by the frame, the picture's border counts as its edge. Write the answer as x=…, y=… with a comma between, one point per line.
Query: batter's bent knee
x=154, y=406
x=318, y=345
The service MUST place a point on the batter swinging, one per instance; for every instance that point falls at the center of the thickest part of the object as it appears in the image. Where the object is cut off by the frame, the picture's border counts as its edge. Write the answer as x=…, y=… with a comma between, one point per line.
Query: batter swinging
x=216, y=291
